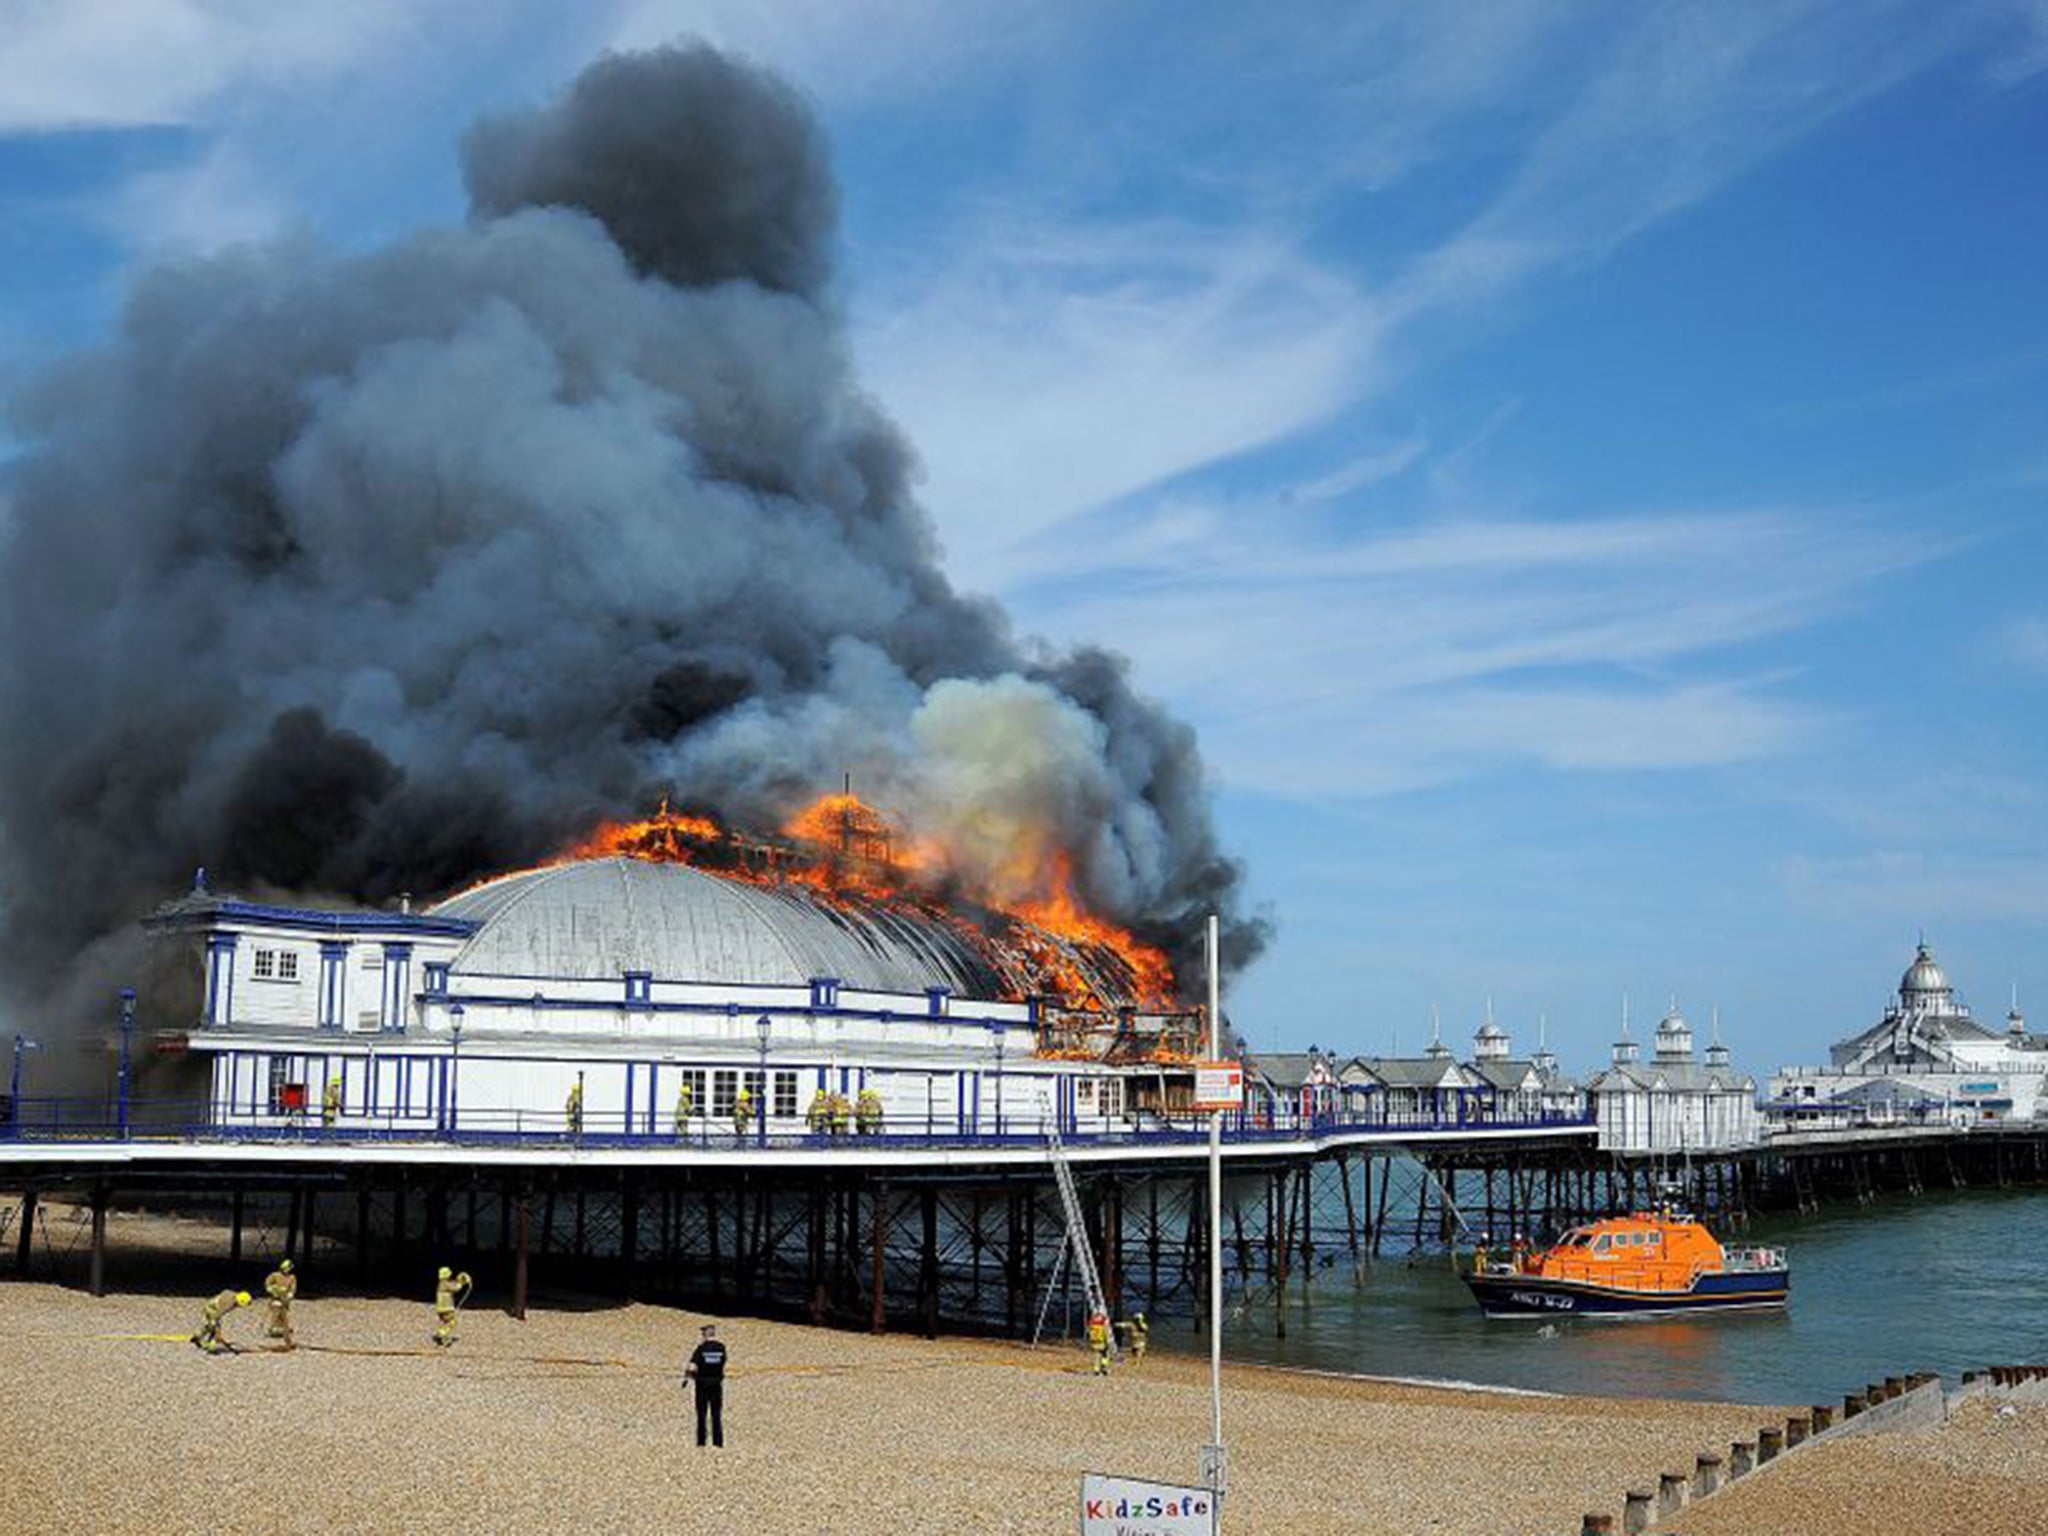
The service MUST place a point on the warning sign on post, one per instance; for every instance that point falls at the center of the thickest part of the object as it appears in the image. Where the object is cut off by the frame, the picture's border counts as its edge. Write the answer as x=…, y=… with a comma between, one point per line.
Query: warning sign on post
x=1219, y=1085
x=1125, y=1506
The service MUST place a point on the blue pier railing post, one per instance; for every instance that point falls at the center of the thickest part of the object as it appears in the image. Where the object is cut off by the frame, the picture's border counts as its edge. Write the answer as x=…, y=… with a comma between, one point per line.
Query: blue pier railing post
x=127, y=1057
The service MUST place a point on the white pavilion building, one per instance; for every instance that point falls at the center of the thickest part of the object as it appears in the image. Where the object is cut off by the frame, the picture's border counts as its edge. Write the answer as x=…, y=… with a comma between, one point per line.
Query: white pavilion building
x=657, y=990
x=1673, y=1102
x=1926, y=1060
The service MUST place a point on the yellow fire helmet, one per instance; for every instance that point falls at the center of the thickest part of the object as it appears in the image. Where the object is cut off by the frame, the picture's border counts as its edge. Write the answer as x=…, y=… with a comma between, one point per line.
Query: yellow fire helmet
x=447, y=1273
x=285, y=1268
x=241, y=1298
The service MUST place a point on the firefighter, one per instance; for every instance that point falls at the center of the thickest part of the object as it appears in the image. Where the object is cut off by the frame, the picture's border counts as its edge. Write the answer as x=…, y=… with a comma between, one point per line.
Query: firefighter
x=867, y=1112
x=450, y=1292
x=208, y=1337
x=282, y=1287
x=1141, y=1335
x=842, y=1114
x=742, y=1111
x=330, y=1102
x=1098, y=1340
x=685, y=1107
x=818, y=1118
x=572, y=1110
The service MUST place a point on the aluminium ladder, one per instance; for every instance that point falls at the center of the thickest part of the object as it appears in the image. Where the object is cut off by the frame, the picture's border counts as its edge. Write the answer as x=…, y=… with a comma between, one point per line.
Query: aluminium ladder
x=1075, y=1240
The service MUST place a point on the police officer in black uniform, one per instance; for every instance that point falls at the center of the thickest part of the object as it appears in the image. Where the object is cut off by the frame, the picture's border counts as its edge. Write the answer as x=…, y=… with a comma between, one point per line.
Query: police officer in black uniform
x=707, y=1370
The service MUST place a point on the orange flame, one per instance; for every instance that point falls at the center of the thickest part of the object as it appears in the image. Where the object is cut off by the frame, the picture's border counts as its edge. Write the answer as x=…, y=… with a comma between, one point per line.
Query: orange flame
x=848, y=851
x=664, y=838
x=1061, y=913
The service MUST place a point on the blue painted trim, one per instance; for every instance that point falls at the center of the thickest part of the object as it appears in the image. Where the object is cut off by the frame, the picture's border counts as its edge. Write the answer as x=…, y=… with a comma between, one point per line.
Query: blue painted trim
x=317, y=921
x=728, y=1010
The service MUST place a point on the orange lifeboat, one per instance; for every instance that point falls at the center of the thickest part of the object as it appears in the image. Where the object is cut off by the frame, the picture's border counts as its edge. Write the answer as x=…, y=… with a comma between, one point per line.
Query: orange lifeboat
x=1641, y=1265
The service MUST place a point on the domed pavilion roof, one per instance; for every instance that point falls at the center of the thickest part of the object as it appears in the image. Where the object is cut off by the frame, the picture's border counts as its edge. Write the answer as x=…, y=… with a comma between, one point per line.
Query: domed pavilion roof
x=1924, y=979
x=599, y=918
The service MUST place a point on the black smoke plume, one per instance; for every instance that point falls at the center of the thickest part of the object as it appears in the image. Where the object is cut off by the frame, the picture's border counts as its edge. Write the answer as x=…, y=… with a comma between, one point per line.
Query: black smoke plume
x=349, y=574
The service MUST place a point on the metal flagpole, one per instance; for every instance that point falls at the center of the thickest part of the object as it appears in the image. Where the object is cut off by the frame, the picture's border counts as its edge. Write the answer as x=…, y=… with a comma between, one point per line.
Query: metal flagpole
x=1216, y=1479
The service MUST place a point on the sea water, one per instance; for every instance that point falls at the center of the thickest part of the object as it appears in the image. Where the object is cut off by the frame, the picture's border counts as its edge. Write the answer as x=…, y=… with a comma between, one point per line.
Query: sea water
x=1946, y=1282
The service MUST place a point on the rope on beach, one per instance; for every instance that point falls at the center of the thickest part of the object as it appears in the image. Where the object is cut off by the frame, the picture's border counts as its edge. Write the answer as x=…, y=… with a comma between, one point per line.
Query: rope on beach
x=637, y=1367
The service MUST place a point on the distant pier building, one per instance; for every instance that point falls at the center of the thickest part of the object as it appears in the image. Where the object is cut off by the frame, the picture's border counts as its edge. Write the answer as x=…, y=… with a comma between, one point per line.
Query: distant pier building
x=1674, y=1102
x=1927, y=1060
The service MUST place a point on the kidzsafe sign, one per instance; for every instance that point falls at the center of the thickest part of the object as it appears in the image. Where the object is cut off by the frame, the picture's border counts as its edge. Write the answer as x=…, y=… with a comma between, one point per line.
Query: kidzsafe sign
x=1123, y=1506
x=1219, y=1085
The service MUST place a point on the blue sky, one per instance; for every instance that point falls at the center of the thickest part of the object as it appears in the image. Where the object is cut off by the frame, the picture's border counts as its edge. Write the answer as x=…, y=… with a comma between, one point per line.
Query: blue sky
x=1580, y=467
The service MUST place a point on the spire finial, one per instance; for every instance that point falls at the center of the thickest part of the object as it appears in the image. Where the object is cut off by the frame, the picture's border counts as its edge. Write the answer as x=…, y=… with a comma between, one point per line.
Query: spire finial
x=1436, y=1033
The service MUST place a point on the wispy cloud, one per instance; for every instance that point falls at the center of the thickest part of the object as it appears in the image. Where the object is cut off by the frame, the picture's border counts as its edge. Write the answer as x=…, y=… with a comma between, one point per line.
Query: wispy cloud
x=134, y=63
x=1045, y=371
x=1341, y=666
x=1905, y=888
x=851, y=54
x=1361, y=473
x=2027, y=54
x=1049, y=364
x=1675, y=105
x=2027, y=641
x=1912, y=394
x=219, y=200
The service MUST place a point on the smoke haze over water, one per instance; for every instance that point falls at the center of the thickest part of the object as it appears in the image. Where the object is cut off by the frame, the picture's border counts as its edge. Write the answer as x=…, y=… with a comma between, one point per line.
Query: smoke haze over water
x=349, y=574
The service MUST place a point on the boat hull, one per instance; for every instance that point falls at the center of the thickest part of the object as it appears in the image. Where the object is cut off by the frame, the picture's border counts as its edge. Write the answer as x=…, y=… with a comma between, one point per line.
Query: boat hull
x=1532, y=1296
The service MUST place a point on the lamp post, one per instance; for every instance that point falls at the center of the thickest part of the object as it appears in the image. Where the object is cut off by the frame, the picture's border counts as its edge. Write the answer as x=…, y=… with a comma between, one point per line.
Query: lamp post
x=455, y=1012
x=1213, y=1453
x=21, y=1043
x=762, y=1026
x=127, y=1054
x=1002, y=1036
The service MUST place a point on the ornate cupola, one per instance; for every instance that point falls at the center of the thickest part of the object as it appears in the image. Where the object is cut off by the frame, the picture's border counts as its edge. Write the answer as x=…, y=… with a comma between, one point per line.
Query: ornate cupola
x=1625, y=1047
x=1437, y=1051
x=1490, y=1043
x=1674, y=1036
x=1717, y=1053
x=1924, y=988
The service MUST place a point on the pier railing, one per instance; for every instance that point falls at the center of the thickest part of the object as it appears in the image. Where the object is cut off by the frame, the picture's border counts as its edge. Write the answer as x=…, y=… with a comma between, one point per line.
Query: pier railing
x=77, y=1120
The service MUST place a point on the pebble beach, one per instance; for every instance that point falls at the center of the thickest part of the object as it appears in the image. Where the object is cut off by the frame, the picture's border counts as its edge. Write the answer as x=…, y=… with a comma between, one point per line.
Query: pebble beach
x=576, y=1421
